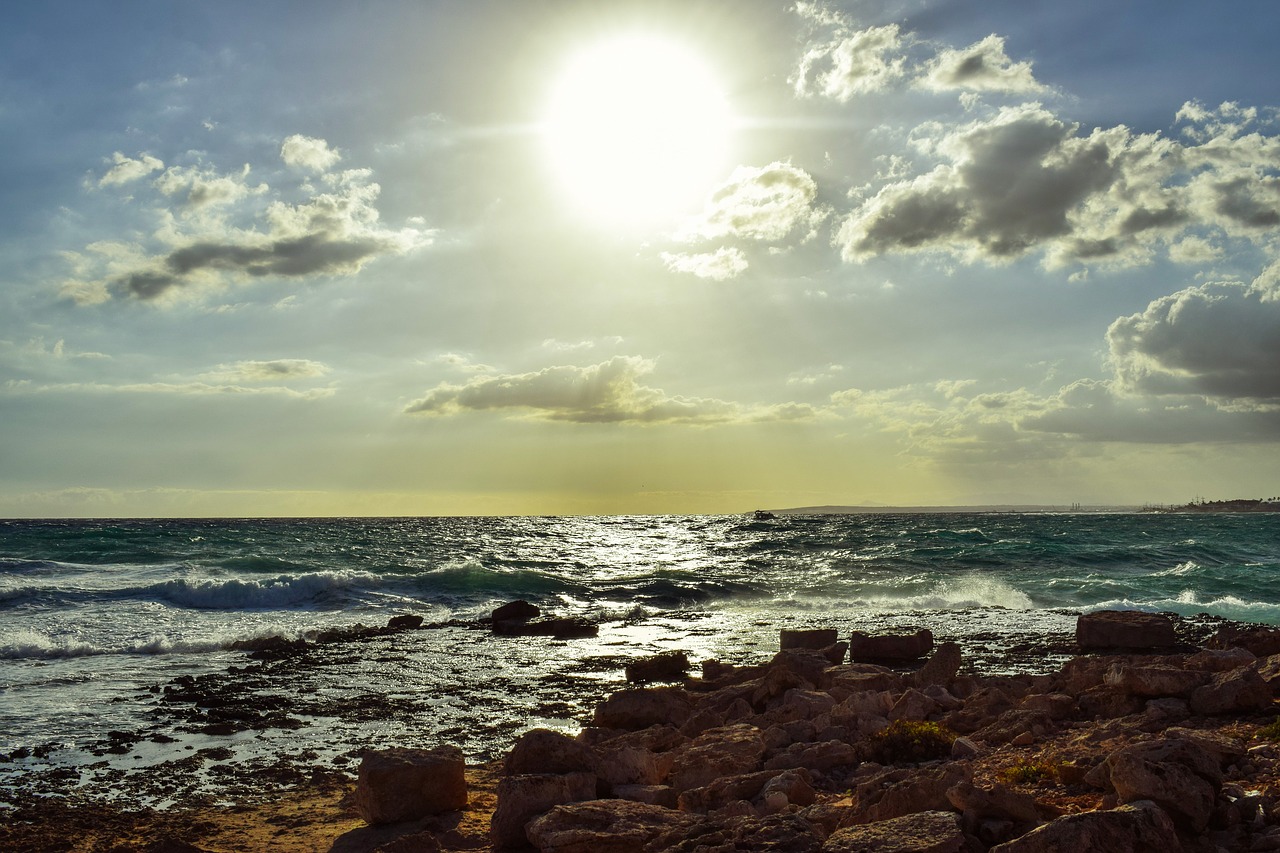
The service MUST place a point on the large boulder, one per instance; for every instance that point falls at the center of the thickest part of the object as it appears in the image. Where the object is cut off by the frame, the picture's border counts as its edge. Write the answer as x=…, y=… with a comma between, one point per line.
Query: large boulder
x=865, y=648
x=812, y=638
x=547, y=751
x=1139, y=826
x=515, y=611
x=643, y=707
x=396, y=785
x=1179, y=775
x=726, y=751
x=1124, y=629
x=941, y=668
x=923, y=832
x=602, y=826
x=1241, y=689
x=668, y=666
x=522, y=798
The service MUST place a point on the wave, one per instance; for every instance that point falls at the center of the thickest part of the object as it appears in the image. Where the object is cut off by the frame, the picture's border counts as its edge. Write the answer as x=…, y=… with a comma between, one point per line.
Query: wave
x=962, y=593
x=28, y=645
x=283, y=591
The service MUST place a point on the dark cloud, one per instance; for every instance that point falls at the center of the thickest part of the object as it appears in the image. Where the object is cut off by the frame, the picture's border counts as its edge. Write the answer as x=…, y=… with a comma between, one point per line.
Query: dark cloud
x=983, y=66
x=1221, y=340
x=609, y=392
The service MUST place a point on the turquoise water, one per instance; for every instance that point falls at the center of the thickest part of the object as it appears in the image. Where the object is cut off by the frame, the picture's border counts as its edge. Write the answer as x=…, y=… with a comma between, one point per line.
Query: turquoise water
x=92, y=612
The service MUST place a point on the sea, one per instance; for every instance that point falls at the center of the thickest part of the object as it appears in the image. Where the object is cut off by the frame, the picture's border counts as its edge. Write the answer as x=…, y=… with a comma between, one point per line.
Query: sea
x=118, y=637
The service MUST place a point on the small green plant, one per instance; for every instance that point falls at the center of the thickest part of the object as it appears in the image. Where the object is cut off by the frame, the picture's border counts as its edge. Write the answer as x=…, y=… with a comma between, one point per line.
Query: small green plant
x=910, y=742
x=1269, y=732
x=1029, y=772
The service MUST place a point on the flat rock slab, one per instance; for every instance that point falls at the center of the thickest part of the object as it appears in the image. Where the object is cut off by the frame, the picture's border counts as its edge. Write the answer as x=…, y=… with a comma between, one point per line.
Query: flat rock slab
x=1124, y=629
x=396, y=785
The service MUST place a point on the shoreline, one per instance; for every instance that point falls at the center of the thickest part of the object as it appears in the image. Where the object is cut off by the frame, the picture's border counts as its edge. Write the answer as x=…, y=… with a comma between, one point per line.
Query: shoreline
x=295, y=807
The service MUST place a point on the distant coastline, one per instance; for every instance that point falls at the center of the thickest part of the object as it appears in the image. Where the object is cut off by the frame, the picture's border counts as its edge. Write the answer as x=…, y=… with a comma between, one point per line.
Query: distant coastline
x=956, y=510
x=1237, y=505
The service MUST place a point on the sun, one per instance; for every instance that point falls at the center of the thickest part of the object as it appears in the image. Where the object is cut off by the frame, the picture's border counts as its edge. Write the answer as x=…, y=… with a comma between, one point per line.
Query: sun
x=637, y=130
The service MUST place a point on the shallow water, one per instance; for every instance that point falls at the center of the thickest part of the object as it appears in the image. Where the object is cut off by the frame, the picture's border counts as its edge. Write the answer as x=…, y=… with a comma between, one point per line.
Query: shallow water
x=96, y=615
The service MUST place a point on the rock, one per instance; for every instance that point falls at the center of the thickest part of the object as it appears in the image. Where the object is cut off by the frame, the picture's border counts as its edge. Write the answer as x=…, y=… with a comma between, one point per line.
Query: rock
x=516, y=611
x=804, y=704
x=913, y=705
x=1153, y=681
x=405, y=622
x=780, y=833
x=809, y=664
x=835, y=653
x=396, y=785
x=941, y=668
x=726, y=751
x=1124, y=629
x=602, y=826
x=1009, y=725
x=925, y=832
x=417, y=842
x=546, y=751
x=643, y=707
x=894, y=793
x=1139, y=826
x=1236, y=690
x=522, y=798
x=814, y=638
x=819, y=757
x=998, y=802
x=1262, y=642
x=1178, y=775
x=727, y=789
x=1056, y=706
x=887, y=647
x=669, y=666
x=628, y=765
x=1220, y=660
x=654, y=795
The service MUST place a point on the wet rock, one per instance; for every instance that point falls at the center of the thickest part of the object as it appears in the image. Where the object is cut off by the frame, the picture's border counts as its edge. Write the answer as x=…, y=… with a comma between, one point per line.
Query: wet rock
x=670, y=666
x=404, y=622
x=523, y=798
x=643, y=707
x=925, y=832
x=561, y=628
x=546, y=751
x=406, y=784
x=602, y=826
x=516, y=611
x=1124, y=629
x=1262, y=642
x=889, y=647
x=813, y=638
x=1140, y=825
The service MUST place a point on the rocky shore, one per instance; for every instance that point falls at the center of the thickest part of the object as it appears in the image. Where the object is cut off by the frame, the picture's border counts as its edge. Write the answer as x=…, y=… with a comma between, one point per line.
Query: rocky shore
x=1140, y=741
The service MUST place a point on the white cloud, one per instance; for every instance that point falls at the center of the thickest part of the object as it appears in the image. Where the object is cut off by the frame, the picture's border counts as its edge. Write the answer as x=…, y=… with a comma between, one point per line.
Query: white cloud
x=329, y=233
x=983, y=66
x=848, y=61
x=305, y=152
x=608, y=392
x=127, y=169
x=757, y=203
x=724, y=263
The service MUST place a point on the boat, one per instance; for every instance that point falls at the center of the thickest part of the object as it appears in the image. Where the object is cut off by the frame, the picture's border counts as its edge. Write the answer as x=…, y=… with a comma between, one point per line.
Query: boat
x=762, y=515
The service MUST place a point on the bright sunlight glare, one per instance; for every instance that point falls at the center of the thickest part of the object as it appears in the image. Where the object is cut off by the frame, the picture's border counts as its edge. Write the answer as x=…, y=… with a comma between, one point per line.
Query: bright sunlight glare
x=637, y=130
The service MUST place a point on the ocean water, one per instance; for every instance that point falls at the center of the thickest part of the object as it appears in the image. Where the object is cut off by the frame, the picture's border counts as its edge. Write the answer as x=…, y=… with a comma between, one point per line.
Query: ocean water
x=99, y=620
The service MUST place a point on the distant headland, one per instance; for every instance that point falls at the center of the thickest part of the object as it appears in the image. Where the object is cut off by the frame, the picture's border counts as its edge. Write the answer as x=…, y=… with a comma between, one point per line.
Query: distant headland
x=1238, y=505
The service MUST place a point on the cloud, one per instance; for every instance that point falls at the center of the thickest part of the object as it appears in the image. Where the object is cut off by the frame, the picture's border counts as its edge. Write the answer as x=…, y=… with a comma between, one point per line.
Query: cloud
x=127, y=169
x=197, y=388
x=983, y=66
x=757, y=203
x=329, y=233
x=277, y=370
x=1025, y=181
x=1220, y=339
x=724, y=263
x=609, y=392
x=305, y=152
x=851, y=62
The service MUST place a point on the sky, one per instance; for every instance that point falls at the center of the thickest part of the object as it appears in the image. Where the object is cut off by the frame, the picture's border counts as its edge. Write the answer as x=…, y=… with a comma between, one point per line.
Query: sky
x=458, y=258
